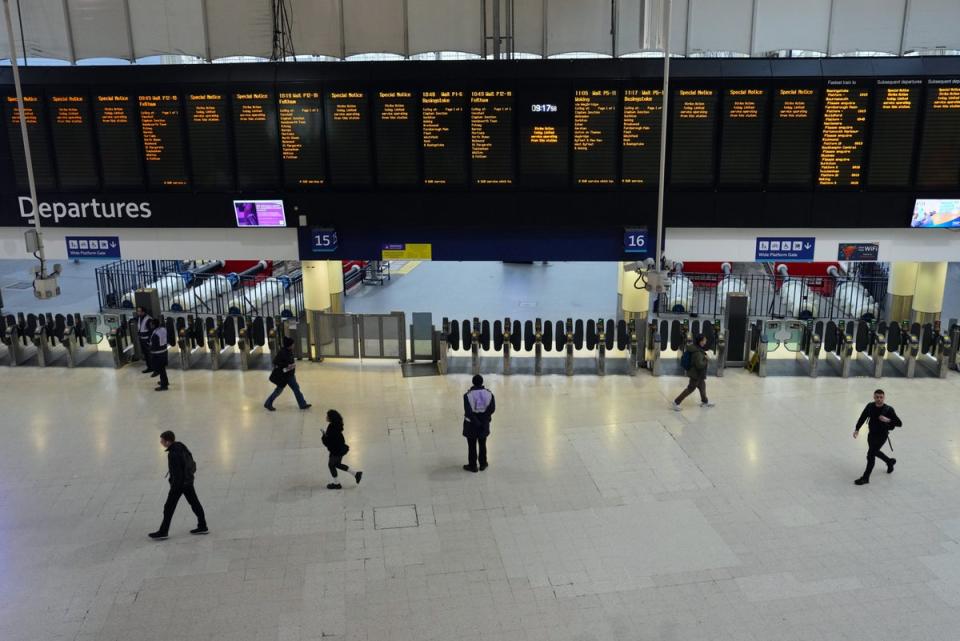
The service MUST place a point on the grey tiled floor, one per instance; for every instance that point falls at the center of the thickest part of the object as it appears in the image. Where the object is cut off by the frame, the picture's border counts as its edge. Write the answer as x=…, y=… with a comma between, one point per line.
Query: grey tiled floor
x=603, y=515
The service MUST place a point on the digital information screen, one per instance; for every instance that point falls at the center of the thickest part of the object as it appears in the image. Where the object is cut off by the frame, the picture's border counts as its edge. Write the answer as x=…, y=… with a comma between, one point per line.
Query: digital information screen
x=743, y=146
x=39, y=143
x=118, y=141
x=259, y=213
x=595, y=136
x=642, y=114
x=939, y=162
x=792, y=134
x=444, y=138
x=162, y=128
x=929, y=213
x=543, y=118
x=397, y=138
x=209, y=140
x=73, y=141
x=491, y=137
x=348, y=137
x=694, y=123
x=301, y=138
x=844, y=134
x=896, y=107
x=257, y=143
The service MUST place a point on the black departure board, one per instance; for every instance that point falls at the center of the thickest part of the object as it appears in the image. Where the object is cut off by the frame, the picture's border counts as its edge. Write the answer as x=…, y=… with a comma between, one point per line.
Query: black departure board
x=209, y=140
x=595, y=136
x=543, y=120
x=896, y=109
x=300, y=114
x=348, y=137
x=397, y=136
x=36, y=118
x=792, y=131
x=443, y=134
x=743, y=144
x=694, y=123
x=491, y=137
x=844, y=134
x=257, y=142
x=72, y=141
x=642, y=127
x=939, y=163
x=119, y=142
x=161, y=124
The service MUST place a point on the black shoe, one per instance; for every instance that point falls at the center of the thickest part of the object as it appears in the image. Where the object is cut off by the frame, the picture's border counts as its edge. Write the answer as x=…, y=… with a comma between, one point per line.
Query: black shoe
x=158, y=535
x=334, y=486
x=146, y=371
x=358, y=476
x=200, y=529
x=861, y=481
x=161, y=388
x=270, y=408
x=470, y=468
x=890, y=465
x=483, y=466
x=306, y=407
x=155, y=374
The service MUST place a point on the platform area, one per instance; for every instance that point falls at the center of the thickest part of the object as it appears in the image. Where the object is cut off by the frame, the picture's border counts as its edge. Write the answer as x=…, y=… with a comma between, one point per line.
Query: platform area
x=604, y=514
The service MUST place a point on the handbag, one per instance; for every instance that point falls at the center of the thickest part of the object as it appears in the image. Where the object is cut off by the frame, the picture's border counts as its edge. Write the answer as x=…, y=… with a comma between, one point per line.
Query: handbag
x=277, y=376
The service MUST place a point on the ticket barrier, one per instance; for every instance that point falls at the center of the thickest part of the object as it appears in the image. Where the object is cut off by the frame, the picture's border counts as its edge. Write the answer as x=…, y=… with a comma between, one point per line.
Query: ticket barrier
x=222, y=339
x=838, y=346
x=48, y=339
x=790, y=336
x=668, y=339
x=119, y=339
x=903, y=347
x=18, y=338
x=936, y=348
x=870, y=346
x=81, y=338
x=251, y=341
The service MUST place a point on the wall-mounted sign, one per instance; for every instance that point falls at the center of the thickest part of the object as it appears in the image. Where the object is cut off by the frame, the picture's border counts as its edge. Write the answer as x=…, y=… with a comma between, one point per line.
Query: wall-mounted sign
x=785, y=248
x=862, y=252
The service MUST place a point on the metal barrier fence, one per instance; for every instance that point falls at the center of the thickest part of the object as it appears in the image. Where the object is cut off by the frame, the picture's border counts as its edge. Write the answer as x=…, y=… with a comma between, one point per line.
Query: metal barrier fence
x=117, y=279
x=800, y=297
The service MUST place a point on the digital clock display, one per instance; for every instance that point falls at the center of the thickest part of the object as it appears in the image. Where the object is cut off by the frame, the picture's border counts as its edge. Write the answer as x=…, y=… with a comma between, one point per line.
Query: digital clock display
x=543, y=108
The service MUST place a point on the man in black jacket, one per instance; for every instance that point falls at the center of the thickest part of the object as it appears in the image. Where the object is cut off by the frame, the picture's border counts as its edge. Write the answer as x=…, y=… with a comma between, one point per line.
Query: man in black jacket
x=478, y=408
x=284, y=375
x=158, y=354
x=883, y=420
x=181, y=468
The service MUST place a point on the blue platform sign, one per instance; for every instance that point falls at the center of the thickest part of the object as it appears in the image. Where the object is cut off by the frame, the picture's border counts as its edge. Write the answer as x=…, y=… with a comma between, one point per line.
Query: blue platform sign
x=93, y=246
x=636, y=241
x=789, y=248
x=323, y=240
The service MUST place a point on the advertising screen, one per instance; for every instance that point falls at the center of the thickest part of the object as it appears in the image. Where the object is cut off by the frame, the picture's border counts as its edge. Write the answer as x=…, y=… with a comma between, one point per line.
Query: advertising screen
x=259, y=213
x=930, y=212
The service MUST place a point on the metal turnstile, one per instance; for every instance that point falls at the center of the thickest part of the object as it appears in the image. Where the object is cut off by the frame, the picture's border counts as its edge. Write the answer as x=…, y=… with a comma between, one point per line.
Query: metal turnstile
x=936, y=348
x=903, y=347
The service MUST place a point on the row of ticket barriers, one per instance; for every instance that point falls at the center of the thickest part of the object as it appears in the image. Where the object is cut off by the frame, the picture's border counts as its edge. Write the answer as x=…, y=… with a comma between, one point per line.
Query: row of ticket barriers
x=194, y=341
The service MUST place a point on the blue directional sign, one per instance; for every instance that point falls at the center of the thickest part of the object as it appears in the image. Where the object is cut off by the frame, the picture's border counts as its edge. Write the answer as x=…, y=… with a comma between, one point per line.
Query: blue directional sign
x=636, y=241
x=93, y=246
x=793, y=248
x=323, y=240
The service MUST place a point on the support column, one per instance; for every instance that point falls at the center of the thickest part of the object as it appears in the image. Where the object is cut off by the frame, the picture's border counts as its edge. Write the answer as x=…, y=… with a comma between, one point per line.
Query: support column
x=335, y=279
x=636, y=302
x=316, y=285
x=928, y=299
x=903, y=284
x=619, y=290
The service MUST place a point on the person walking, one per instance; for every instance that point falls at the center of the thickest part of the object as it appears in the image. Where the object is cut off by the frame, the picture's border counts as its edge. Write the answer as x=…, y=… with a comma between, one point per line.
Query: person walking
x=882, y=420
x=143, y=334
x=181, y=472
x=695, y=362
x=158, y=354
x=284, y=375
x=337, y=447
x=478, y=408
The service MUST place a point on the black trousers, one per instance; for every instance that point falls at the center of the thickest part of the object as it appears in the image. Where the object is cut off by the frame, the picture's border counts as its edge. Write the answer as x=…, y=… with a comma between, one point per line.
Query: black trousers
x=873, y=453
x=159, y=362
x=173, y=497
x=335, y=463
x=694, y=384
x=145, y=349
x=472, y=443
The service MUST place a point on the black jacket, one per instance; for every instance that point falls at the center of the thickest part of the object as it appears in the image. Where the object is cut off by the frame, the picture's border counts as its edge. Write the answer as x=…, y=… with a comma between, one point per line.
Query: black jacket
x=879, y=429
x=476, y=424
x=283, y=360
x=333, y=439
x=179, y=461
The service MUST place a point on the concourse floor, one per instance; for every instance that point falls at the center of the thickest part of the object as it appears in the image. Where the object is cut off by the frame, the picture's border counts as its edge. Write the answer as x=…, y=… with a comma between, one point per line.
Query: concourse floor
x=603, y=516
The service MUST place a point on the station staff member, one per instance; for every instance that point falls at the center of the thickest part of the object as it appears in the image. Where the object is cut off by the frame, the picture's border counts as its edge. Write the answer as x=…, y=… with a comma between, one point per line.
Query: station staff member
x=883, y=420
x=143, y=333
x=158, y=353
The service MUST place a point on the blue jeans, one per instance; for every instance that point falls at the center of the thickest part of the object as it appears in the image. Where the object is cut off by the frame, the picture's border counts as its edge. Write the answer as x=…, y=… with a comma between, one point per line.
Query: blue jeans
x=292, y=383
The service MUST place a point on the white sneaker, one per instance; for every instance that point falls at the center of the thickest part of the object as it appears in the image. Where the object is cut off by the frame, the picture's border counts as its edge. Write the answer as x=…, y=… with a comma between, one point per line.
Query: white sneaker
x=676, y=407
x=708, y=404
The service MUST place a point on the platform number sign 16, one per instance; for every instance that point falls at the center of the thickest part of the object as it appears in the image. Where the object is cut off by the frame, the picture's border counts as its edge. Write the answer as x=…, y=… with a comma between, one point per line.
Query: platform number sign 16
x=635, y=241
x=323, y=240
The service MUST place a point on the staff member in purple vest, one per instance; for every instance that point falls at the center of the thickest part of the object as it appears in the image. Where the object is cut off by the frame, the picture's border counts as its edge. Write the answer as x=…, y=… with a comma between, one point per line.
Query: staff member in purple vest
x=478, y=408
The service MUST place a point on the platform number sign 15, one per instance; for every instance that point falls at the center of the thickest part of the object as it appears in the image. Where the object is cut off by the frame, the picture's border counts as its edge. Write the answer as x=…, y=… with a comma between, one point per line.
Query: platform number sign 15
x=635, y=241
x=323, y=240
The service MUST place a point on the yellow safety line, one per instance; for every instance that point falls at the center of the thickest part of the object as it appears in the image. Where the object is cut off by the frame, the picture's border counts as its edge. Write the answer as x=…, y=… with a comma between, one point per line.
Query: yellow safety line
x=408, y=267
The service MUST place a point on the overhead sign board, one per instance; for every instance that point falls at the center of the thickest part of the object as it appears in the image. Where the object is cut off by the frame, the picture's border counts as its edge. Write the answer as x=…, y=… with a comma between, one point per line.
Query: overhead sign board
x=93, y=246
x=788, y=248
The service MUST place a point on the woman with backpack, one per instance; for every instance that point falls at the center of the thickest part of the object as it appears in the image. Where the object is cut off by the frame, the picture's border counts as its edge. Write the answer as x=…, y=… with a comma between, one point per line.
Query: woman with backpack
x=694, y=361
x=338, y=448
x=284, y=375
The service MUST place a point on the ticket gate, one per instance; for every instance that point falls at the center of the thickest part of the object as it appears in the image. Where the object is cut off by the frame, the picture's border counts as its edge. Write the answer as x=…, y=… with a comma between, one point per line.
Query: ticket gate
x=221, y=337
x=838, y=343
x=48, y=339
x=870, y=346
x=119, y=339
x=903, y=347
x=666, y=340
x=251, y=342
x=936, y=348
x=789, y=337
x=18, y=338
x=81, y=338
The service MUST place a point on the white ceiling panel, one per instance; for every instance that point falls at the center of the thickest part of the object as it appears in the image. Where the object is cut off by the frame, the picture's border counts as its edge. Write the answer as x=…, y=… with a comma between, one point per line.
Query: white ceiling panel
x=628, y=27
x=432, y=29
x=44, y=29
x=90, y=20
x=788, y=24
x=167, y=27
x=881, y=32
x=578, y=25
x=528, y=25
x=373, y=26
x=315, y=26
x=240, y=28
x=932, y=24
x=720, y=26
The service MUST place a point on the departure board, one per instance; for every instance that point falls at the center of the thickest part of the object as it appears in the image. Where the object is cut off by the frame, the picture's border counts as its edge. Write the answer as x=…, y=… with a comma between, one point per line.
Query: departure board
x=844, y=134
x=257, y=145
x=795, y=116
x=162, y=128
x=35, y=116
x=896, y=108
x=72, y=141
x=209, y=141
x=642, y=119
x=300, y=114
x=743, y=144
x=491, y=137
x=694, y=123
x=397, y=137
x=543, y=118
x=118, y=141
x=444, y=146
x=595, y=136
x=939, y=162
x=348, y=137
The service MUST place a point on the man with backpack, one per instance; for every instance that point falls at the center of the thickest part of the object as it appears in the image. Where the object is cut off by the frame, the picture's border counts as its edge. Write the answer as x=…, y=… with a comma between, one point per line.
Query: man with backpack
x=478, y=408
x=883, y=420
x=694, y=362
x=182, y=469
